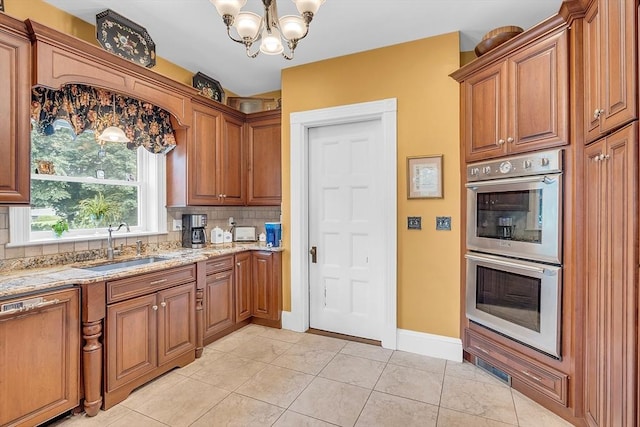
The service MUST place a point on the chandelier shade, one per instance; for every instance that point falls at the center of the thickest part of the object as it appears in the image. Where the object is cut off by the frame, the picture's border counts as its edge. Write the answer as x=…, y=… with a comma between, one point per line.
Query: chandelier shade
x=270, y=31
x=113, y=133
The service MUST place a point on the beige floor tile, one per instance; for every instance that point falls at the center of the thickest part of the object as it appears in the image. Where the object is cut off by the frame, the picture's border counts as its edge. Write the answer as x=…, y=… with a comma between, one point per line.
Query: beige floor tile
x=411, y=383
x=282, y=335
x=479, y=398
x=367, y=351
x=322, y=343
x=208, y=358
x=251, y=329
x=103, y=418
x=228, y=372
x=331, y=401
x=530, y=414
x=386, y=410
x=135, y=419
x=293, y=419
x=231, y=342
x=450, y=418
x=353, y=370
x=240, y=411
x=181, y=404
x=142, y=394
x=418, y=361
x=304, y=359
x=276, y=385
x=261, y=349
x=471, y=372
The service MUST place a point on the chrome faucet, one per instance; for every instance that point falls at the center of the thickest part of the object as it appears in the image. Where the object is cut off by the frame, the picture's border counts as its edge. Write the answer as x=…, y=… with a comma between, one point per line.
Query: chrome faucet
x=110, y=250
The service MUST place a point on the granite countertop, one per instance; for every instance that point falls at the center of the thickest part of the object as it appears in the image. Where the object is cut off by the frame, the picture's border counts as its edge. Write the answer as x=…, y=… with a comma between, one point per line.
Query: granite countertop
x=29, y=281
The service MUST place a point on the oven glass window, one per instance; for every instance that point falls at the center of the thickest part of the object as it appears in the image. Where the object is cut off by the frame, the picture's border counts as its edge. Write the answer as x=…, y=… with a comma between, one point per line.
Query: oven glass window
x=510, y=215
x=509, y=296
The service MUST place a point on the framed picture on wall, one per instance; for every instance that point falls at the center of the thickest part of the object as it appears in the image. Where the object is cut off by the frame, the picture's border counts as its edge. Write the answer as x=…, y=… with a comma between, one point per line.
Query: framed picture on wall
x=424, y=177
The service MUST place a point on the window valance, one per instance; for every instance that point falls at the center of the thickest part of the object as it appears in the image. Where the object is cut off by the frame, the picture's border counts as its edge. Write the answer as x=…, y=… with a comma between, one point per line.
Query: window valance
x=89, y=108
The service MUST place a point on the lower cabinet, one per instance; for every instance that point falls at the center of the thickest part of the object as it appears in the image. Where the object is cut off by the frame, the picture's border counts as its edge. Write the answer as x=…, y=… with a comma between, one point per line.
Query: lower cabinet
x=149, y=334
x=266, y=285
x=219, y=310
x=243, y=286
x=39, y=357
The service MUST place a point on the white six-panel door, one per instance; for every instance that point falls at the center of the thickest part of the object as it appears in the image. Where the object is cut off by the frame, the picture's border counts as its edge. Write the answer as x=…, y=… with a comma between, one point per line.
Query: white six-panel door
x=346, y=228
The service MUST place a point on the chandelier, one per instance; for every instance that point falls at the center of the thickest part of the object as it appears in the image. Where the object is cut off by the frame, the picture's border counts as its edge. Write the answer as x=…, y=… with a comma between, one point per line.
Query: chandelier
x=270, y=30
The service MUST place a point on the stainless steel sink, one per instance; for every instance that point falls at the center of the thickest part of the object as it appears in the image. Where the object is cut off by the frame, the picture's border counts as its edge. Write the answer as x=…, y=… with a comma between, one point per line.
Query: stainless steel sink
x=125, y=264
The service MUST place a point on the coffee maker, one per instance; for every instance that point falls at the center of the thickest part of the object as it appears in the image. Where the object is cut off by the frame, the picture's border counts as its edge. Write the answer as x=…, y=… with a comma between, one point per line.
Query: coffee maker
x=193, y=231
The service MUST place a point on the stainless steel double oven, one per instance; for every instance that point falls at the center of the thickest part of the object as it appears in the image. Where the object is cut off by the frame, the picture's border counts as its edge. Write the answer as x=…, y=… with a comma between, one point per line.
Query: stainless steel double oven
x=514, y=248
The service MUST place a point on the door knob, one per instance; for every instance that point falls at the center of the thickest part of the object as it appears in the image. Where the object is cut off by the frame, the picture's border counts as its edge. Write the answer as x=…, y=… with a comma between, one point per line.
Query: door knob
x=314, y=254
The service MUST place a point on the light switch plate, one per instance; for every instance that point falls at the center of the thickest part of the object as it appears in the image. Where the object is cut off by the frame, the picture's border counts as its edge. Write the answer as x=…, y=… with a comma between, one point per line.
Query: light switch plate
x=443, y=223
x=414, y=223
x=177, y=225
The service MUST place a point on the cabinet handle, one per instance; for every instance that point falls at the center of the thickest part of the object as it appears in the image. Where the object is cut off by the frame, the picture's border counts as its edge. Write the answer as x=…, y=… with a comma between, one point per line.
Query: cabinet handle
x=29, y=307
x=501, y=142
x=163, y=304
x=157, y=282
x=530, y=375
x=510, y=140
x=482, y=350
x=154, y=307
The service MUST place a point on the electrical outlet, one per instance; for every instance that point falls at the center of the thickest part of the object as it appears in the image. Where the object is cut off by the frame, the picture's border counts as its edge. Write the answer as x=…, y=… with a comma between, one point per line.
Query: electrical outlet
x=177, y=225
x=414, y=223
x=231, y=221
x=443, y=223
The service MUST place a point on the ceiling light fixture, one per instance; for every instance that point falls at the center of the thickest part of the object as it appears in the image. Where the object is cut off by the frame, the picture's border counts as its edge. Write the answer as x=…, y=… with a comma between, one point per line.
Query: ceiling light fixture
x=270, y=30
x=113, y=133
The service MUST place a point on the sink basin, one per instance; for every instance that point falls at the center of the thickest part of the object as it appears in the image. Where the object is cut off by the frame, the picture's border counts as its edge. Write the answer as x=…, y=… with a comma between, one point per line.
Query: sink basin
x=124, y=264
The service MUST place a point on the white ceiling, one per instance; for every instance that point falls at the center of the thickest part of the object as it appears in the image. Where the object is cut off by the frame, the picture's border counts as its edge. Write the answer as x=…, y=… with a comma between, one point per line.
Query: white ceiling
x=191, y=34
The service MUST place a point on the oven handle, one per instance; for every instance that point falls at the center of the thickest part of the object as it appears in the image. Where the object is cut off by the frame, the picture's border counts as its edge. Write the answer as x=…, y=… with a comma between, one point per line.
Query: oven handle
x=505, y=263
x=546, y=179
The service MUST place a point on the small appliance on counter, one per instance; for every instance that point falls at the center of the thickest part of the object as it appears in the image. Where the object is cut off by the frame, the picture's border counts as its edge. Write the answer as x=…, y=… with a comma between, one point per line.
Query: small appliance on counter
x=244, y=234
x=217, y=236
x=274, y=233
x=193, y=231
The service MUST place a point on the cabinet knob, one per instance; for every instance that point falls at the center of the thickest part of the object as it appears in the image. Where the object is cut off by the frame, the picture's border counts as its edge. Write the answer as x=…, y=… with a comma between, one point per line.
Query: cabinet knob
x=510, y=140
x=597, y=113
x=163, y=304
x=155, y=307
x=238, y=264
x=500, y=141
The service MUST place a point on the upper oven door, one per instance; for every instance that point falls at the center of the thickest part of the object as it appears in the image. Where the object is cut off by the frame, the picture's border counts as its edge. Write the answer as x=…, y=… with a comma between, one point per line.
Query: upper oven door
x=517, y=217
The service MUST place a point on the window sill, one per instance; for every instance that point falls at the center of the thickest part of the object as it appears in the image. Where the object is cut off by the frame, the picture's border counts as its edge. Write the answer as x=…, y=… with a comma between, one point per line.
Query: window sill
x=84, y=238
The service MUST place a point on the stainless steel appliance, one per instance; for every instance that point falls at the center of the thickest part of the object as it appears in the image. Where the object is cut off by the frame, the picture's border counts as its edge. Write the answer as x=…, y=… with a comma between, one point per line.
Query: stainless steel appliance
x=514, y=243
x=194, y=233
x=514, y=206
x=519, y=299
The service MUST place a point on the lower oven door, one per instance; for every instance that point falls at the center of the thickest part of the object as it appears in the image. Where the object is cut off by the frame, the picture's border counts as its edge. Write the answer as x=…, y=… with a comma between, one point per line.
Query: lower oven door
x=519, y=299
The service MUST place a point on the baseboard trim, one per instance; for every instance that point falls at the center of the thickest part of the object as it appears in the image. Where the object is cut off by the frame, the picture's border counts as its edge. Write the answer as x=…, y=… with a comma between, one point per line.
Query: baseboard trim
x=292, y=322
x=430, y=345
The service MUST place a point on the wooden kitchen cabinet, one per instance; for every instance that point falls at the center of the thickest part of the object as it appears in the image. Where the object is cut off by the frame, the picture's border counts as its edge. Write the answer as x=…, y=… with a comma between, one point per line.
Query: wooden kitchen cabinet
x=264, y=182
x=150, y=328
x=610, y=66
x=243, y=280
x=40, y=361
x=219, y=307
x=611, y=299
x=266, y=289
x=519, y=103
x=15, y=86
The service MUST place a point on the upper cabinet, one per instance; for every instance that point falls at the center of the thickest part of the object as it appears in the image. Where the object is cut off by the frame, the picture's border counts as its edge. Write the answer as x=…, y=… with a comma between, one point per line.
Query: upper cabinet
x=517, y=102
x=15, y=86
x=610, y=54
x=263, y=158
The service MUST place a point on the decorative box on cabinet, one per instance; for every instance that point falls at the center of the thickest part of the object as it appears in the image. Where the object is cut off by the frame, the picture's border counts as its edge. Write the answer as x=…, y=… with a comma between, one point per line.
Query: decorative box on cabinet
x=610, y=34
x=40, y=362
x=150, y=328
x=15, y=85
x=263, y=158
x=611, y=295
x=518, y=103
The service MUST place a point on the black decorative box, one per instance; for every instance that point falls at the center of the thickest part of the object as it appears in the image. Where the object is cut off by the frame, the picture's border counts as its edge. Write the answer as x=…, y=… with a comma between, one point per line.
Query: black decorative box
x=208, y=87
x=122, y=37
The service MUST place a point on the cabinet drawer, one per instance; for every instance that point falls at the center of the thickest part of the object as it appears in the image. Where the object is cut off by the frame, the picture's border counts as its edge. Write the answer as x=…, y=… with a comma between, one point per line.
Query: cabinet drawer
x=219, y=264
x=121, y=289
x=543, y=379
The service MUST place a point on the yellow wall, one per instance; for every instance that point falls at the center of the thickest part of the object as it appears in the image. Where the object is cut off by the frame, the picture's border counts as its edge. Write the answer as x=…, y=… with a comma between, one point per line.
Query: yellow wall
x=416, y=73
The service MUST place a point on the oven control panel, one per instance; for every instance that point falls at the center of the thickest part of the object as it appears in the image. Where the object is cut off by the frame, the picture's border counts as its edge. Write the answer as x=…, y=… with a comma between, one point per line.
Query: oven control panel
x=537, y=163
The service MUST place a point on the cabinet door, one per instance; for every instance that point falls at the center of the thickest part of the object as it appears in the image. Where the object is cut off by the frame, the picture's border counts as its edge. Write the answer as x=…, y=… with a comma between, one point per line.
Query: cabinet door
x=264, y=163
x=591, y=52
x=266, y=285
x=484, y=112
x=219, y=310
x=176, y=322
x=131, y=333
x=40, y=360
x=231, y=162
x=618, y=55
x=539, y=95
x=203, y=174
x=15, y=86
x=243, y=286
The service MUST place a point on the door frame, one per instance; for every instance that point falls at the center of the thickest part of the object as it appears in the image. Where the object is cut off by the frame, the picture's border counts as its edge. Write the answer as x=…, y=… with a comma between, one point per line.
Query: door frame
x=386, y=112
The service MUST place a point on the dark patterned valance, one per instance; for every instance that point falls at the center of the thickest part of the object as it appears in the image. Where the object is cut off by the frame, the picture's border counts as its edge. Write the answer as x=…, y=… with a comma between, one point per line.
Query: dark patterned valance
x=86, y=107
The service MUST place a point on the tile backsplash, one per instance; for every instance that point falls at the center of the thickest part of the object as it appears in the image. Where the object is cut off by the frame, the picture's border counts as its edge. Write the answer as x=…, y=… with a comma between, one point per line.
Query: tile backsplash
x=65, y=252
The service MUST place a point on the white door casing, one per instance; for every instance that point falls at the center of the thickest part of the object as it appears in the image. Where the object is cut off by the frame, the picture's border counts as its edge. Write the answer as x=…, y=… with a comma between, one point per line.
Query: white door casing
x=386, y=112
x=345, y=225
